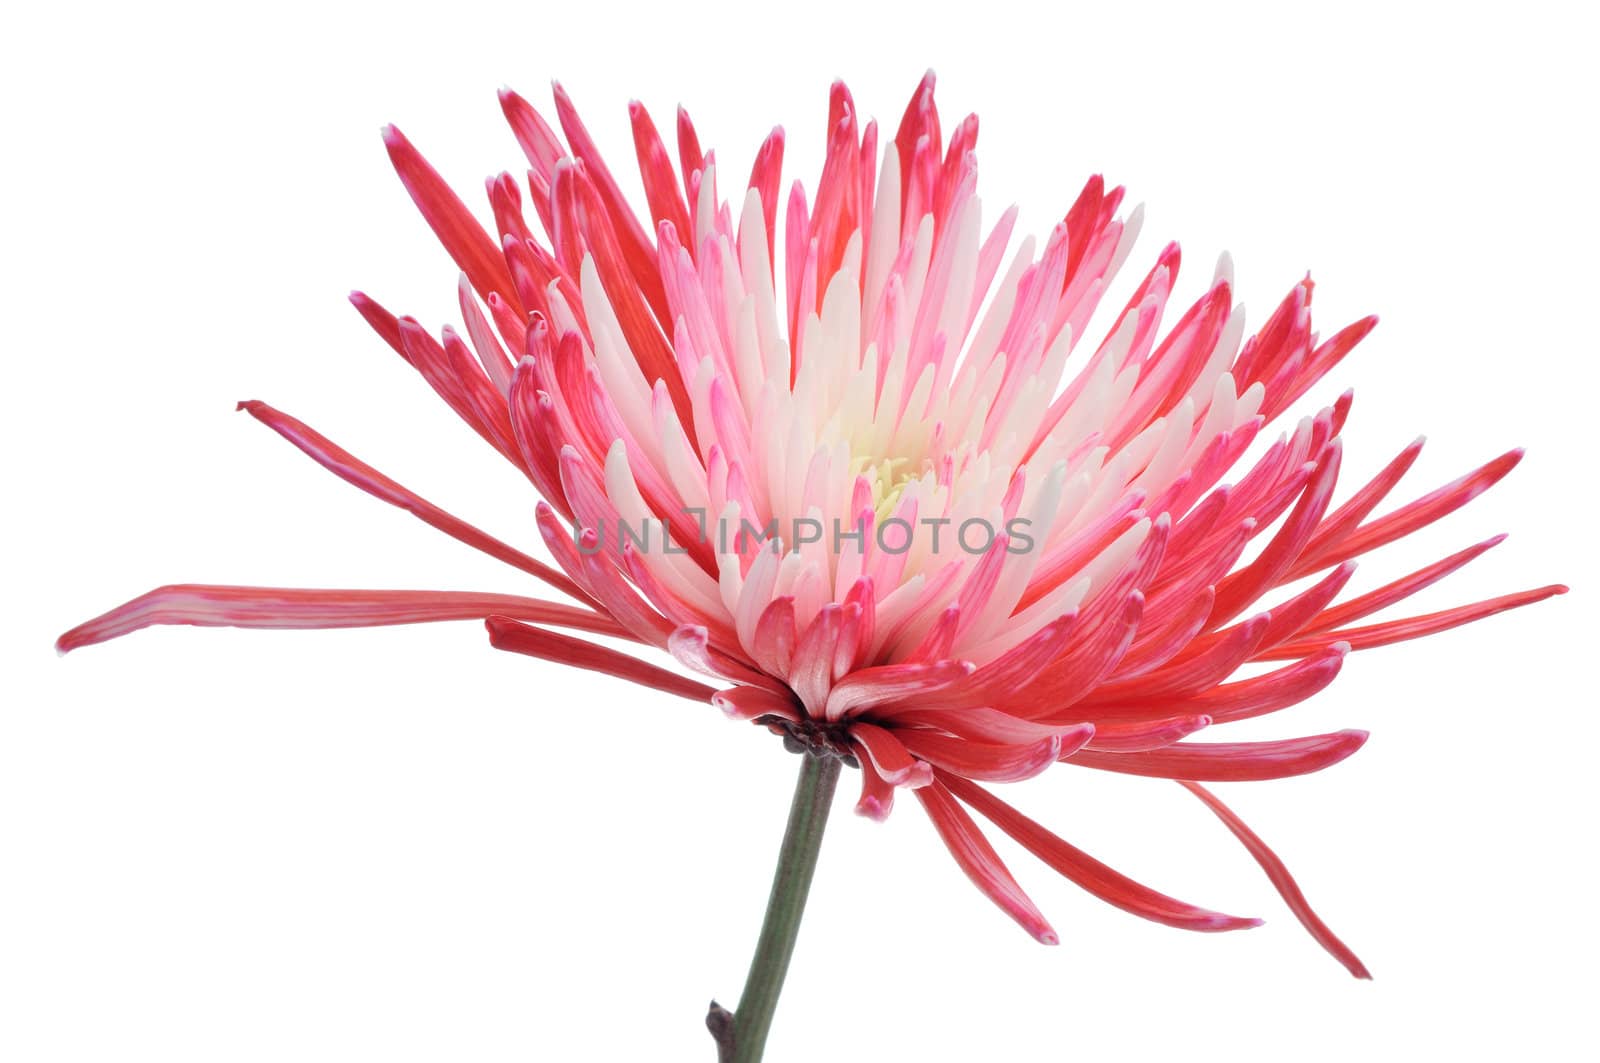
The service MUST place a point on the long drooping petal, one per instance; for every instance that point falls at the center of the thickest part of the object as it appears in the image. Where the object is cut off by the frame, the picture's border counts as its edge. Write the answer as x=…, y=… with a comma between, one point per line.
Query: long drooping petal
x=978, y=859
x=354, y=471
x=1109, y=885
x=1281, y=880
x=208, y=605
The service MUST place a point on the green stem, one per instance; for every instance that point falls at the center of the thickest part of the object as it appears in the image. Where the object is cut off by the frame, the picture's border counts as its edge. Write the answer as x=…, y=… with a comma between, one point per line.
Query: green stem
x=742, y=1036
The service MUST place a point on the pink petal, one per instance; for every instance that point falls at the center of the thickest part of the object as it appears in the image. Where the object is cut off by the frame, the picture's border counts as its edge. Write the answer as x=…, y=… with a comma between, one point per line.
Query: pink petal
x=692, y=648
x=765, y=177
x=1082, y=668
x=877, y=793
x=473, y=250
x=982, y=865
x=1174, y=622
x=538, y=141
x=353, y=470
x=978, y=725
x=1407, y=519
x=535, y=427
x=385, y=324
x=619, y=598
x=1276, y=690
x=936, y=644
x=775, y=637
x=1299, y=612
x=1087, y=872
x=1413, y=627
x=635, y=245
x=1008, y=676
x=1187, y=675
x=890, y=756
x=1390, y=593
x=991, y=763
x=811, y=674
x=889, y=683
x=1322, y=360
x=1231, y=761
x=1237, y=591
x=206, y=605
x=753, y=703
x=443, y=373
x=661, y=189
x=1341, y=521
x=862, y=597
x=1282, y=881
x=508, y=634
x=690, y=157
x=1141, y=735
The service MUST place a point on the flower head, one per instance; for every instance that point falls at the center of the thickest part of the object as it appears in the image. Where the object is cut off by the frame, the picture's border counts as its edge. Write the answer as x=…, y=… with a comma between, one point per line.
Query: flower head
x=896, y=493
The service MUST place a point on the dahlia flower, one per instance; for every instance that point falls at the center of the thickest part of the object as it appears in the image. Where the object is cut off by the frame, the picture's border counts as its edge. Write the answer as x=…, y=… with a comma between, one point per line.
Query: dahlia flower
x=890, y=490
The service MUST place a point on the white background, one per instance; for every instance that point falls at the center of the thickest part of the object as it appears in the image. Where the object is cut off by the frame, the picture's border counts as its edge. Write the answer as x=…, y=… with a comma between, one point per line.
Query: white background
x=401, y=845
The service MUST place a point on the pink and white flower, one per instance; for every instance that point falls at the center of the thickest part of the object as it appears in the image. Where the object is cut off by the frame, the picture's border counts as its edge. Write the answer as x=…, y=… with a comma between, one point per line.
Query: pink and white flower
x=879, y=475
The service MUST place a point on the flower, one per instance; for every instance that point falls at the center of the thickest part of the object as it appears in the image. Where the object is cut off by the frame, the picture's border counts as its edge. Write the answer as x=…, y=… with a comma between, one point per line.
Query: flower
x=885, y=497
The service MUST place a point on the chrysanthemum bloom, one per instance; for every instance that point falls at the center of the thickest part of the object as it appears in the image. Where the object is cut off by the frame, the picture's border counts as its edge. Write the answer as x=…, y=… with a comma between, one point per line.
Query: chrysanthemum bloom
x=882, y=483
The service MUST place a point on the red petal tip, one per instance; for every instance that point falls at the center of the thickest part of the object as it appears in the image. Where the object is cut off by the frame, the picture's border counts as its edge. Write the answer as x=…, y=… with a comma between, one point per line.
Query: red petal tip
x=873, y=809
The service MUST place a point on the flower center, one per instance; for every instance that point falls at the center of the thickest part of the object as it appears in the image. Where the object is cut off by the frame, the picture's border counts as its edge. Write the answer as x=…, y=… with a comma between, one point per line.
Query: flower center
x=889, y=477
